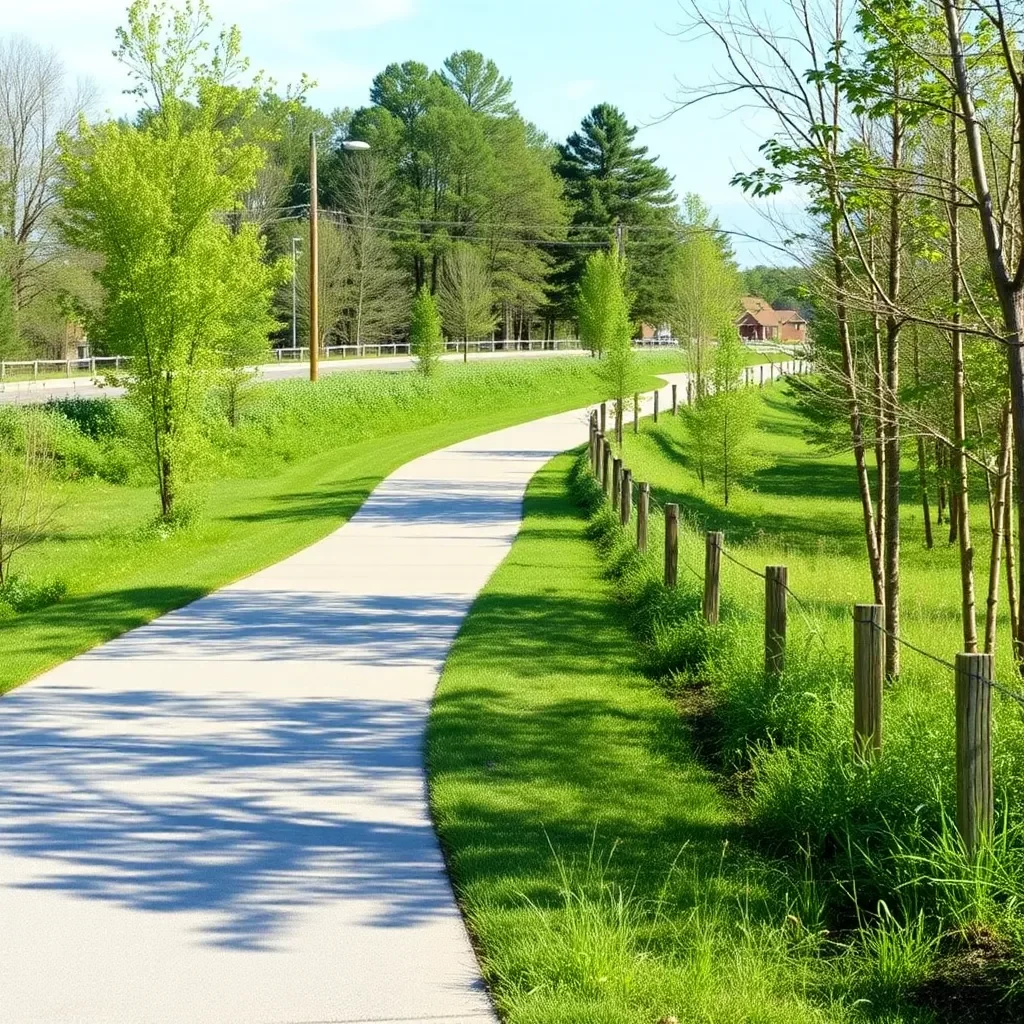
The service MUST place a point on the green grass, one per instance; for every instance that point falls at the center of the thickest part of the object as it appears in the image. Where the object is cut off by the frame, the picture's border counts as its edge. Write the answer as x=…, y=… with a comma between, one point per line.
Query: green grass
x=299, y=468
x=879, y=836
x=601, y=869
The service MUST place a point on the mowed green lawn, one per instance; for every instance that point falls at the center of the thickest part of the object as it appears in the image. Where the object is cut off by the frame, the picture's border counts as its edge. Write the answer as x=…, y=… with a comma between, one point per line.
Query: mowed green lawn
x=600, y=867
x=121, y=570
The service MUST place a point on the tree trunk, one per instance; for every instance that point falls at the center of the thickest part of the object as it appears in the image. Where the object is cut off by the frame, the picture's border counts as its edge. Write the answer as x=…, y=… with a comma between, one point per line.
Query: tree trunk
x=961, y=494
x=922, y=457
x=922, y=467
x=1011, y=574
x=992, y=602
x=892, y=438
x=880, y=429
x=853, y=412
x=940, y=476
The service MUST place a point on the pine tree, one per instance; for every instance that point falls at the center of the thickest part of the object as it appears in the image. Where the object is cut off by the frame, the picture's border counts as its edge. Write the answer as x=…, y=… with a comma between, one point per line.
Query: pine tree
x=608, y=179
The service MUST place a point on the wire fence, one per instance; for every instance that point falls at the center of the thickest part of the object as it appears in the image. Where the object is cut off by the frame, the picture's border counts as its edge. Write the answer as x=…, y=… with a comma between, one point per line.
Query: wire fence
x=804, y=604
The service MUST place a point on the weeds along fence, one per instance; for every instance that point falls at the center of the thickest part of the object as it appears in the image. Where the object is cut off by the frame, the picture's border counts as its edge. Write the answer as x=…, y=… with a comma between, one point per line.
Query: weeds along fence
x=973, y=672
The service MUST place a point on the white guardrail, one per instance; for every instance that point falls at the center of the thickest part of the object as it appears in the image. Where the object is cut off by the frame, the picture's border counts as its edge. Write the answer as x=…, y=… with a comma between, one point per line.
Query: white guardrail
x=31, y=368
x=93, y=364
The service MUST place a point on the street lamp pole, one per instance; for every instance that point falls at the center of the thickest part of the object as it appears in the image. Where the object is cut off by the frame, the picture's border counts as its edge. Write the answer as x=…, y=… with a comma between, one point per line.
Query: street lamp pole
x=295, y=267
x=314, y=267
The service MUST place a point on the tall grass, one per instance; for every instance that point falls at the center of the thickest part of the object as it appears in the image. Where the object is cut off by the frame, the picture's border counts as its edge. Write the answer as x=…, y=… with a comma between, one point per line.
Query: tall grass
x=878, y=834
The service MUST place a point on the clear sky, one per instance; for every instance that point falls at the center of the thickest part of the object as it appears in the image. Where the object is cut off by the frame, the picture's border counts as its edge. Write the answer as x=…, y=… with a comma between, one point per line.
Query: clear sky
x=563, y=56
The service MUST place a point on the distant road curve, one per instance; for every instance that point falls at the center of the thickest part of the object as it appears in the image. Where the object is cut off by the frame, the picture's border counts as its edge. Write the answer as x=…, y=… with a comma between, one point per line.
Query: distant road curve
x=32, y=391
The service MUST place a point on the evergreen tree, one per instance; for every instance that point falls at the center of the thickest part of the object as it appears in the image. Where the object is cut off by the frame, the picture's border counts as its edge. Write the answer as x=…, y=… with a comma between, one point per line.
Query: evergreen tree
x=609, y=180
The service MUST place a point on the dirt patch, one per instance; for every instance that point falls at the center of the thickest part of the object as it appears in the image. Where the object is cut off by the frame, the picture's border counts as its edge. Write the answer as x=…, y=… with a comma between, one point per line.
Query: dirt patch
x=978, y=982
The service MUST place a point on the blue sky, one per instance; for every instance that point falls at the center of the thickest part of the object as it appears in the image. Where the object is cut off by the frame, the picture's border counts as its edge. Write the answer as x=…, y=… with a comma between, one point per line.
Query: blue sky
x=563, y=56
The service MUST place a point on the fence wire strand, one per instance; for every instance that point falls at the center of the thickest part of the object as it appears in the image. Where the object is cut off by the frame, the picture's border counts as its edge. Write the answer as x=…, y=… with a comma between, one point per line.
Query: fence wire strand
x=655, y=505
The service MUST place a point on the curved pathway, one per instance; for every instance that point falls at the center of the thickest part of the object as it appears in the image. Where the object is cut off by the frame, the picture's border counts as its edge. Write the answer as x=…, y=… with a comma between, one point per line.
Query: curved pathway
x=221, y=817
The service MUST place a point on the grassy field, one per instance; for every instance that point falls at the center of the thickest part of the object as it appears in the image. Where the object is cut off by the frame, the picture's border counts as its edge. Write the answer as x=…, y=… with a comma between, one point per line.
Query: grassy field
x=297, y=468
x=879, y=837
x=603, y=871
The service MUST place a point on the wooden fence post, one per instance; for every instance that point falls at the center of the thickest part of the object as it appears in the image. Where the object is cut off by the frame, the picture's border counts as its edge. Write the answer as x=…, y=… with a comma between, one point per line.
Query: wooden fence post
x=712, y=574
x=776, y=578
x=606, y=466
x=762, y=376
x=675, y=399
x=604, y=418
x=868, y=677
x=626, y=497
x=643, y=503
x=636, y=412
x=616, y=482
x=657, y=395
x=974, y=811
x=671, y=545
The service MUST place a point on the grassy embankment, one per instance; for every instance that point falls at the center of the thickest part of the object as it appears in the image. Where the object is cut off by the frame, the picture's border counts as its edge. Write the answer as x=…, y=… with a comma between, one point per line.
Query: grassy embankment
x=604, y=871
x=300, y=462
x=879, y=838
x=566, y=788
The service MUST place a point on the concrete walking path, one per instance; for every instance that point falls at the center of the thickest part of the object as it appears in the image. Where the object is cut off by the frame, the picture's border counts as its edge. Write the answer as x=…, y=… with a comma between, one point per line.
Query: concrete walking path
x=221, y=817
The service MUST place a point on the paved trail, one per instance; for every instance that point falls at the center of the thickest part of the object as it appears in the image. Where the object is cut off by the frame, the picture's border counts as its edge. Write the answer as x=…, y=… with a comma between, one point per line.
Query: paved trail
x=221, y=817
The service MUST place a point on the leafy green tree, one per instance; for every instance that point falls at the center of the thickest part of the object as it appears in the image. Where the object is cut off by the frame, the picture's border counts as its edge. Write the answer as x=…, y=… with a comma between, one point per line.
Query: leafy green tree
x=179, y=287
x=609, y=179
x=605, y=328
x=465, y=297
x=721, y=426
x=425, y=338
x=478, y=81
x=704, y=298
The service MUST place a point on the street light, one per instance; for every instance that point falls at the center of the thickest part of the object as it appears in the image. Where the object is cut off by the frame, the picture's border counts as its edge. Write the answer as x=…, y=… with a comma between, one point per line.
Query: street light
x=295, y=339
x=355, y=146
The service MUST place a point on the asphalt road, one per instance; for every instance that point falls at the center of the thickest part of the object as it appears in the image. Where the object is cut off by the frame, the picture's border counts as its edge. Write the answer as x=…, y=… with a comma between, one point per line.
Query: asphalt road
x=32, y=391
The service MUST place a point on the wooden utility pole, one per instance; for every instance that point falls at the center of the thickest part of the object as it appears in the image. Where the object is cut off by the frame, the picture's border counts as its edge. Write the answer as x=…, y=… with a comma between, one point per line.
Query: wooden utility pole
x=314, y=267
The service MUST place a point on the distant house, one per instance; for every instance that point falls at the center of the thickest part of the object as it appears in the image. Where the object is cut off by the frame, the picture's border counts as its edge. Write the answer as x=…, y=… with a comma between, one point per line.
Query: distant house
x=759, y=322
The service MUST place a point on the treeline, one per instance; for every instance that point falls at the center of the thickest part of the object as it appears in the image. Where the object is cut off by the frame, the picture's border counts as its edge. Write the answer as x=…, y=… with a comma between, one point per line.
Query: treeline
x=455, y=178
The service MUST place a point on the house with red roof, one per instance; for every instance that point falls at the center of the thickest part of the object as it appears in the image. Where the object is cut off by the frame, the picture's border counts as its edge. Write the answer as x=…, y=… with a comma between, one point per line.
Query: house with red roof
x=759, y=322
